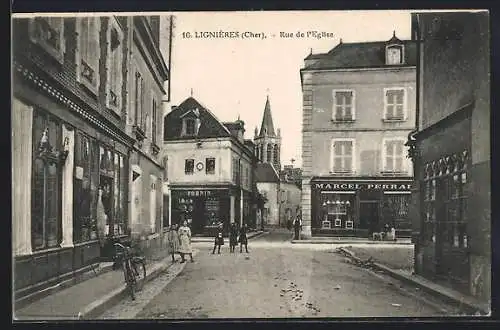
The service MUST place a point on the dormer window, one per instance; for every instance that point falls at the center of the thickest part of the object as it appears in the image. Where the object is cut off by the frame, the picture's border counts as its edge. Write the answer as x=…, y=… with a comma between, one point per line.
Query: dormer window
x=395, y=55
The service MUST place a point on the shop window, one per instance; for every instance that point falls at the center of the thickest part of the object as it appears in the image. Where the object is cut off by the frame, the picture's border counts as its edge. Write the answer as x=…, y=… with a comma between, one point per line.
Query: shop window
x=343, y=105
x=189, y=166
x=48, y=33
x=210, y=165
x=343, y=156
x=394, y=160
x=84, y=189
x=87, y=54
x=115, y=66
x=46, y=225
x=394, y=104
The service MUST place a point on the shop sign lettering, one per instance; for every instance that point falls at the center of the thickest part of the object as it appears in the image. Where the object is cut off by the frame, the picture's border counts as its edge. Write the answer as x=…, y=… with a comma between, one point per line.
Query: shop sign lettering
x=198, y=193
x=362, y=186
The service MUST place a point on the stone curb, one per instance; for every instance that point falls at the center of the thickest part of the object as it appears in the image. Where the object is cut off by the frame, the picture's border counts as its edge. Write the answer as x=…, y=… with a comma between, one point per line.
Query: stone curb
x=211, y=239
x=96, y=308
x=350, y=242
x=471, y=306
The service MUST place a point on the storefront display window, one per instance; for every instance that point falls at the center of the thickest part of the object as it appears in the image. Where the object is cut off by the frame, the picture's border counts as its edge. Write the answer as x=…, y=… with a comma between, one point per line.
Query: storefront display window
x=46, y=225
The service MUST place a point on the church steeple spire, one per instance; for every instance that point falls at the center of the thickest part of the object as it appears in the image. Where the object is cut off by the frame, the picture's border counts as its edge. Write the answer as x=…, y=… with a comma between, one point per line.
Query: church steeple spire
x=267, y=126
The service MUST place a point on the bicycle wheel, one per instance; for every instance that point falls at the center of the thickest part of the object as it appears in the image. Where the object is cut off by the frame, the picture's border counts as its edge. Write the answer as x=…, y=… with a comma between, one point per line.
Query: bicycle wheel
x=140, y=273
x=131, y=279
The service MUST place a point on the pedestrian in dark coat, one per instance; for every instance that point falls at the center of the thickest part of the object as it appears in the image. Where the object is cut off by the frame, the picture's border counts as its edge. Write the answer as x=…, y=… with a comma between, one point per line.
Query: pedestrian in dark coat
x=243, y=238
x=219, y=239
x=173, y=241
x=233, y=237
x=297, y=226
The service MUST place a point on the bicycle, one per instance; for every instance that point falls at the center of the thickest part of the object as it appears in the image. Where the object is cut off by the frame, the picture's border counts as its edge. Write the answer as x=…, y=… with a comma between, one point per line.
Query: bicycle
x=134, y=269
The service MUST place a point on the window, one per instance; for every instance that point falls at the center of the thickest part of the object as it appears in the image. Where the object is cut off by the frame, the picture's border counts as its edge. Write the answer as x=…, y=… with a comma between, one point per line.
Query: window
x=189, y=166
x=46, y=196
x=394, y=156
x=276, y=155
x=85, y=184
x=394, y=55
x=210, y=165
x=115, y=66
x=343, y=156
x=189, y=126
x=138, y=99
x=269, y=153
x=236, y=170
x=343, y=105
x=395, y=105
x=154, y=118
x=87, y=56
x=48, y=33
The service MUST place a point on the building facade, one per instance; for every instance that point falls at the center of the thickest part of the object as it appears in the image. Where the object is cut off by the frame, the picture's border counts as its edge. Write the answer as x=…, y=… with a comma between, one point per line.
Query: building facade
x=358, y=109
x=268, y=185
x=70, y=144
x=451, y=151
x=291, y=193
x=210, y=168
x=147, y=74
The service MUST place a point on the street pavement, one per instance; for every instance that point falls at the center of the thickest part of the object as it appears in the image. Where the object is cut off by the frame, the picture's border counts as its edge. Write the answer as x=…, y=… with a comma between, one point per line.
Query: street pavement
x=276, y=279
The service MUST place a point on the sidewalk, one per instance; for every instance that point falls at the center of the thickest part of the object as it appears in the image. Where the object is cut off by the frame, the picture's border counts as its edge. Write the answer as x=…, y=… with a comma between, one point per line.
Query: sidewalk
x=88, y=299
x=399, y=265
x=211, y=239
x=351, y=240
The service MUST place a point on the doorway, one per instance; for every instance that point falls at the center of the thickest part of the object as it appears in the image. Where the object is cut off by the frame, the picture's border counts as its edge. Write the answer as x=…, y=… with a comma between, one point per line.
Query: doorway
x=369, y=216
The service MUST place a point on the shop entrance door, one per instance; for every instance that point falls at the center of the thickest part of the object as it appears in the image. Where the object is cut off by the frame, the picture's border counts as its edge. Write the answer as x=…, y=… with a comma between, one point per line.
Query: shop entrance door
x=369, y=215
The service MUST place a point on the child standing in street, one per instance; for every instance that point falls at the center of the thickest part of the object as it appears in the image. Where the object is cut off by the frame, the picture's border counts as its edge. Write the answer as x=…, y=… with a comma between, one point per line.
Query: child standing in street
x=233, y=237
x=219, y=239
x=173, y=242
x=243, y=238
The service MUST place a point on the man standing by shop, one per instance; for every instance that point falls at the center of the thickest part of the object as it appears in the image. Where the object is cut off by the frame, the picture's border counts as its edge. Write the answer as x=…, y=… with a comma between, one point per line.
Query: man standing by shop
x=297, y=226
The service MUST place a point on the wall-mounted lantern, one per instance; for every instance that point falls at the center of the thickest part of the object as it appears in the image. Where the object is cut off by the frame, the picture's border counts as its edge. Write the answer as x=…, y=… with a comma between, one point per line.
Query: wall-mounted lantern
x=47, y=153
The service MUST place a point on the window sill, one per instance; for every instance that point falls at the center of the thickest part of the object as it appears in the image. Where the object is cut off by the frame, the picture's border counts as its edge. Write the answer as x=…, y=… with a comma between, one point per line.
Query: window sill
x=188, y=173
x=344, y=173
x=394, y=173
x=342, y=121
x=395, y=120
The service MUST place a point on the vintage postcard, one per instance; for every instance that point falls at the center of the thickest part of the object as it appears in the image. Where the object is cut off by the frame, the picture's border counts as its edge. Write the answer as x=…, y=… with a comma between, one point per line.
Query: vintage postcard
x=251, y=165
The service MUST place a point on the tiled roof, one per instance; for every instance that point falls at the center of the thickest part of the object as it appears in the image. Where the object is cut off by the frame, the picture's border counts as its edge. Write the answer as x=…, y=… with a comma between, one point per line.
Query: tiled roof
x=210, y=125
x=265, y=172
x=362, y=55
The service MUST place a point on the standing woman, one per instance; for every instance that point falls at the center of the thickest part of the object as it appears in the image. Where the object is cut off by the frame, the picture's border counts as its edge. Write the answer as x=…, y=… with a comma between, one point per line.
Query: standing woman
x=243, y=238
x=185, y=242
x=219, y=239
x=297, y=226
x=233, y=237
x=173, y=241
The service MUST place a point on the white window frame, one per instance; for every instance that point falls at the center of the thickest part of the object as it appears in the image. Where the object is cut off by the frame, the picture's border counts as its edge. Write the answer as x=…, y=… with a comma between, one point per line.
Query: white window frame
x=332, y=155
x=404, y=160
x=401, y=49
x=95, y=56
x=334, y=105
x=113, y=24
x=405, y=103
x=57, y=54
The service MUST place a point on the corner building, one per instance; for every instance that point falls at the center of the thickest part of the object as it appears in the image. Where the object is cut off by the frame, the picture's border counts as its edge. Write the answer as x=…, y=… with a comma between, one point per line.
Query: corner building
x=358, y=109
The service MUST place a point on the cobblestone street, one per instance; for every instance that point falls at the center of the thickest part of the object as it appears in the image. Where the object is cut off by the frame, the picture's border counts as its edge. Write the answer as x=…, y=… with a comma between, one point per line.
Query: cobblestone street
x=274, y=281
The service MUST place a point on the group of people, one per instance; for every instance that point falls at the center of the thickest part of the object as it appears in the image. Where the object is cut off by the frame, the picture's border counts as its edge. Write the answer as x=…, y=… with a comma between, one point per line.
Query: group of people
x=235, y=236
x=179, y=240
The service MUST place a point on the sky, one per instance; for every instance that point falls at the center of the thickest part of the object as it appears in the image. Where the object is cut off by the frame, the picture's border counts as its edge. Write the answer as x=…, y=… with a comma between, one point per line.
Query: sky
x=233, y=76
